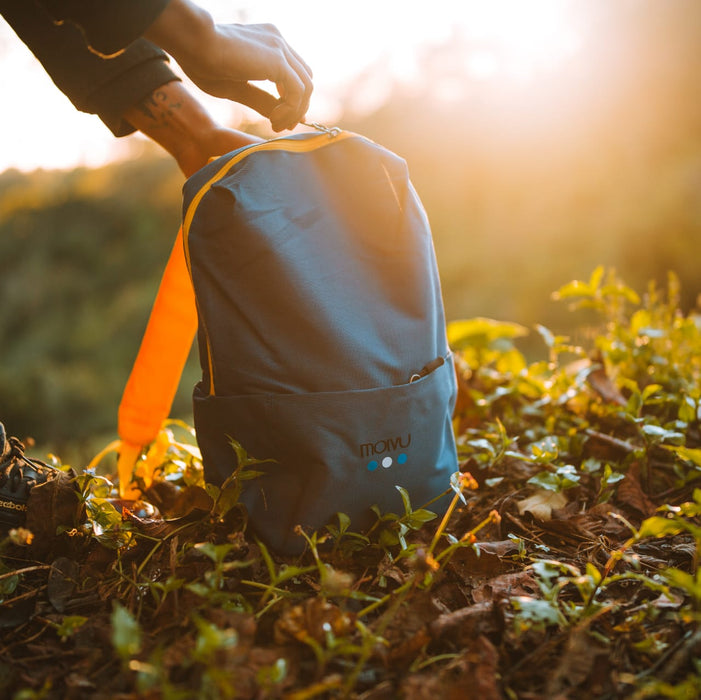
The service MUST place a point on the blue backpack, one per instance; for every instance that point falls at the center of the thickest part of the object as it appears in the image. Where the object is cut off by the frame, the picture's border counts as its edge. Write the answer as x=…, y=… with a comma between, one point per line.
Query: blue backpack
x=321, y=332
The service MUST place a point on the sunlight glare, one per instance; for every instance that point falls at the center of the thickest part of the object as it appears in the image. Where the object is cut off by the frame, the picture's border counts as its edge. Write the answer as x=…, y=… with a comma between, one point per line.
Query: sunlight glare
x=359, y=50
x=516, y=38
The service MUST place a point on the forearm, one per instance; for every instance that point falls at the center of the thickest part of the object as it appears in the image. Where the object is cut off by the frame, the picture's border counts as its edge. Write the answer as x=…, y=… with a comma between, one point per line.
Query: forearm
x=175, y=120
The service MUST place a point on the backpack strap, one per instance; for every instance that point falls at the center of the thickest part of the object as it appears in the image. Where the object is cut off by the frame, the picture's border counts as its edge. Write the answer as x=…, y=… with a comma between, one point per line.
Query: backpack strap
x=159, y=364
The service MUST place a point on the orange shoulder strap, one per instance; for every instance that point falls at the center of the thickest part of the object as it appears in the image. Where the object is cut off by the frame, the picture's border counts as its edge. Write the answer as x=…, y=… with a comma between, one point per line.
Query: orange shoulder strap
x=159, y=364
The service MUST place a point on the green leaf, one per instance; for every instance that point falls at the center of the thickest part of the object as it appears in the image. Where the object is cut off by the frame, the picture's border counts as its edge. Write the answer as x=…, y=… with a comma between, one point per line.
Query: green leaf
x=8, y=584
x=481, y=332
x=211, y=638
x=228, y=498
x=596, y=277
x=593, y=573
x=657, y=433
x=538, y=612
x=269, y=563
x=103, y=515
x=126, y=632
x=405, y=498
x=546, y=450
x=575, y=288
x=273, y=674
x=546, y=480
x=343, y=523
x=692, y=454
x=213, y=491
x=551, y=568
x=70, y=625
x=199, y=589
x=687, y=410
x=611, y=477
x=482, y=444
x=657, y=526
x=456, y=485
x=419, y=517
x=649, y=390
x=216, y=552
x=546, y=334
x=288, y=572
x=621, y=290
x=685, y=581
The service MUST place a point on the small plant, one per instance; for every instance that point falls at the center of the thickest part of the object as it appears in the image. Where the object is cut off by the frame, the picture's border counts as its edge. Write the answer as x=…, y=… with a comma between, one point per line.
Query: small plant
x=392, y=529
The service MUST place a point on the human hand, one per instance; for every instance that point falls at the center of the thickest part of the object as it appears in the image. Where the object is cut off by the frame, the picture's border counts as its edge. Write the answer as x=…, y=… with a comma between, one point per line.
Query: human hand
x=221, y=59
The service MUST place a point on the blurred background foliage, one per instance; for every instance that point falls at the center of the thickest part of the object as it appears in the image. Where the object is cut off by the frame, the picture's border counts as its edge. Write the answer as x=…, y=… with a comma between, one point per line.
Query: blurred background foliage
x=526, y=188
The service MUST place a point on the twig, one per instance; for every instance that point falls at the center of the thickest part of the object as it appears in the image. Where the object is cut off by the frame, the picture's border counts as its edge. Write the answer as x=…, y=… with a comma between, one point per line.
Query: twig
x=610, y=440
x=28, y=569
x=670, y=664
x=24, y=641
x=22, y=596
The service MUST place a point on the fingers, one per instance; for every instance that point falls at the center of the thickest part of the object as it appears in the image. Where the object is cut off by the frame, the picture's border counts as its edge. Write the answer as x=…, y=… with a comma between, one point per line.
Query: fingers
x=261, y=101
x=235, y=54
x=282, y=116
x=290, y=74
x=295, y=90
x=265, y=55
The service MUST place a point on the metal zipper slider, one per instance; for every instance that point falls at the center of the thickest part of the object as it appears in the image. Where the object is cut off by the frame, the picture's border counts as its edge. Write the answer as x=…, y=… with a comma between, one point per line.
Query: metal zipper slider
x=330, y=130
x=427, y=369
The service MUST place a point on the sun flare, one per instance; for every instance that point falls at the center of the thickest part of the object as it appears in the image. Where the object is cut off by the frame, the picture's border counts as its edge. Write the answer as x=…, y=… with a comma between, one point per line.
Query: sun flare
x=503, y=44
x=516, y=38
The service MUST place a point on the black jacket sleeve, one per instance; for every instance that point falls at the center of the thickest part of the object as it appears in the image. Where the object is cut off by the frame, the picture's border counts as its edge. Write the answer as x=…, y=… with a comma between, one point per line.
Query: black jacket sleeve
x=103, y=86
x=108, y=25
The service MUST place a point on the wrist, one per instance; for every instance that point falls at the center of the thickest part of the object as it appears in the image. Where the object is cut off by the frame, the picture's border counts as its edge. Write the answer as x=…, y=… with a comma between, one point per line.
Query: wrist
x=175, y=120
x=172, y=118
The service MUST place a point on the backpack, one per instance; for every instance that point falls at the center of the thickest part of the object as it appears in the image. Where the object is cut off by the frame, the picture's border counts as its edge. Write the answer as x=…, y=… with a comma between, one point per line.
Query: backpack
x=321, y=332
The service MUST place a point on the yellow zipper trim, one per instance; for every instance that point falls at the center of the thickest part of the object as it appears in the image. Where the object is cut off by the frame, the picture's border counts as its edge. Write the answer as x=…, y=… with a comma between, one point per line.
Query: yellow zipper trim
x=280, y=144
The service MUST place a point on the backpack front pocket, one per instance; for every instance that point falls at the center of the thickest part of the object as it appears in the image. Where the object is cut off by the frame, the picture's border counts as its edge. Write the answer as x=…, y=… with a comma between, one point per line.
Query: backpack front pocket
x=332, y=452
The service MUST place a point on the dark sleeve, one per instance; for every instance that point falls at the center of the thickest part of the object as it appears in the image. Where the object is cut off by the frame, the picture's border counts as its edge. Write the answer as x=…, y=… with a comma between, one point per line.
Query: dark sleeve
x=108, y=25
x=103, y=86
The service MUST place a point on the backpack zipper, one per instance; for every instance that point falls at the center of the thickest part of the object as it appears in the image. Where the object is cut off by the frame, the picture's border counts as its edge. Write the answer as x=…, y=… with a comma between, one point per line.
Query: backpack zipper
x=325, y=137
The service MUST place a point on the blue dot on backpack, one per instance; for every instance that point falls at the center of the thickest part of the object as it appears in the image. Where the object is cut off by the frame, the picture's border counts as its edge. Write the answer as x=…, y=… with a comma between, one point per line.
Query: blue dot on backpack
x=372, y=466
x=401, y=459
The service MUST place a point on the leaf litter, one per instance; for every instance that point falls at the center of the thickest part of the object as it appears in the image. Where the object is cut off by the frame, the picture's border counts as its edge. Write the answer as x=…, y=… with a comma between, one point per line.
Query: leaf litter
x=567, y=565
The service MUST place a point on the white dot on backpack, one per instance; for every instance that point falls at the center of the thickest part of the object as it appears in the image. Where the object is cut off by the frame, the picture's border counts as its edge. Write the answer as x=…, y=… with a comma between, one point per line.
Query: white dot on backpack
x=387, y=462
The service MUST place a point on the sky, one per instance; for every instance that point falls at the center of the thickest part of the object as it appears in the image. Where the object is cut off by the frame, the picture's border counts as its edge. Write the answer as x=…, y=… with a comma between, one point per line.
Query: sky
x=514, y=41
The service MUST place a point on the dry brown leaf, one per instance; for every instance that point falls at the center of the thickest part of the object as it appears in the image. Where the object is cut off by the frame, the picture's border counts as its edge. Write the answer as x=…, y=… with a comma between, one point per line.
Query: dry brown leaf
x=542, y=503
x=576, y=665
x=312, y=619
x=467, y=622
x=604, y=387
x=506, y=586
x=64, y=577
x=630, y=493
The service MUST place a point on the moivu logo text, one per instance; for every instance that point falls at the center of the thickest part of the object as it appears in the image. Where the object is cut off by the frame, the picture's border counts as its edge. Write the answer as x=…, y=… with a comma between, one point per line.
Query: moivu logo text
x=370, y=449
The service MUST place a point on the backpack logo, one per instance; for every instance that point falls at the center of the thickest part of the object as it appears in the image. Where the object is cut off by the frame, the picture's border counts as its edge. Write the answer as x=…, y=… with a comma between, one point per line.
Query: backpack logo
x=382, y=447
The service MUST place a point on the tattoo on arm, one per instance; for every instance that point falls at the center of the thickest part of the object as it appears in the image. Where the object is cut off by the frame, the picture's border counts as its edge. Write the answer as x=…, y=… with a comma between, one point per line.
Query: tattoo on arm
x=159, y=108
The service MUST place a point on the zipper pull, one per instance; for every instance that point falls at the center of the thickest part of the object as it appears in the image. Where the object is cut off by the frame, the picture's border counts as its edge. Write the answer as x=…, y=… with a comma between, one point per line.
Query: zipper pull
x=330, y=130
x=432, y=366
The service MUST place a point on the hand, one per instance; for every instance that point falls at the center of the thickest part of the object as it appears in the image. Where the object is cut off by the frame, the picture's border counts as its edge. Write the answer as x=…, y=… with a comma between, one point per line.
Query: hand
x=173, y=118
x=221, y=58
